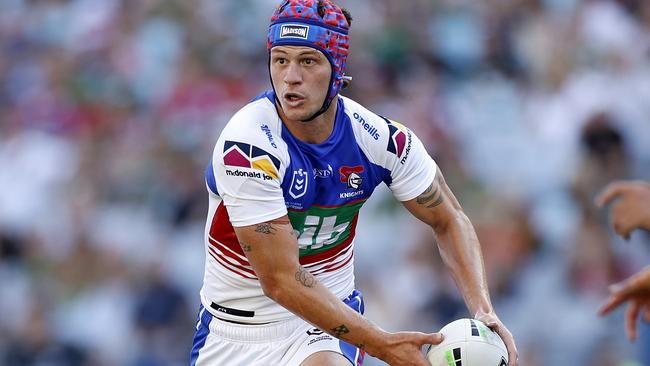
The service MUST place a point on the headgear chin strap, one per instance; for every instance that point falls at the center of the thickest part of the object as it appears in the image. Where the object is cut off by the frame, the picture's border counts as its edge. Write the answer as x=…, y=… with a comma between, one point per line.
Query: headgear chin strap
x=298, y=23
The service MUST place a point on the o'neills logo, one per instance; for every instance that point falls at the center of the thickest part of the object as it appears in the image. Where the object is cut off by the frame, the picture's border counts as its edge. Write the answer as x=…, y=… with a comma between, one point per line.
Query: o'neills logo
x=294, y=31
x=367, y=126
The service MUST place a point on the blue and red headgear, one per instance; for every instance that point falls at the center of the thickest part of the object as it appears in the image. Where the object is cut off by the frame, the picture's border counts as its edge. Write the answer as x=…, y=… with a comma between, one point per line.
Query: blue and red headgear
x=298, y=23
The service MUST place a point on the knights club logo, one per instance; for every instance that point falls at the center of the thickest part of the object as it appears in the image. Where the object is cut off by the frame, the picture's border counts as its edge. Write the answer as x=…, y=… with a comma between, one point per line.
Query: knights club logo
x=239, y=154
x=351, y=176
x=397, y=137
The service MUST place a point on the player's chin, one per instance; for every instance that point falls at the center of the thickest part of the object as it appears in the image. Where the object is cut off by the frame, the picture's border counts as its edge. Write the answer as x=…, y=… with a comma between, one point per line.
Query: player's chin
x=298, y=113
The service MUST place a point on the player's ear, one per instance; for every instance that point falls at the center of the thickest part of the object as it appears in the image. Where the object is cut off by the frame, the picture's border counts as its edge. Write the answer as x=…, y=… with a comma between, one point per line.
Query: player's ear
x=347, y=80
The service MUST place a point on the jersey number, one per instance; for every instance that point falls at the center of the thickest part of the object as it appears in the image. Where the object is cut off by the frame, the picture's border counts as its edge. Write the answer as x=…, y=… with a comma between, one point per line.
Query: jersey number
x=319, y=231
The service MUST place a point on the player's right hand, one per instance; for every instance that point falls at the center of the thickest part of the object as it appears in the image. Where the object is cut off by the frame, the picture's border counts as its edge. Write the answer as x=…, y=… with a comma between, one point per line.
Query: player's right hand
x=405, y=348
x=636, y=290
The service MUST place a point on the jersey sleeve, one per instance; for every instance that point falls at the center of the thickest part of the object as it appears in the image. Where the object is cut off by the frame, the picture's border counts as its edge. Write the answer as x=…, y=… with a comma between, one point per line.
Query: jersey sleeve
x=412, y=170
x=248, y=171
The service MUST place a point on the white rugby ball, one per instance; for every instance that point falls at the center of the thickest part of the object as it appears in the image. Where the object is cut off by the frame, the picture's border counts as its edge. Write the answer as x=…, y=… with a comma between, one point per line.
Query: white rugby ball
x=468, y=342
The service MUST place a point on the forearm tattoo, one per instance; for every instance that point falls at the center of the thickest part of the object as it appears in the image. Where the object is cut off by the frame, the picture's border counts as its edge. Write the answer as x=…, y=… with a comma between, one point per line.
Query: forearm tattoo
x=245, y=247
x=340, y=330
x=307, y=279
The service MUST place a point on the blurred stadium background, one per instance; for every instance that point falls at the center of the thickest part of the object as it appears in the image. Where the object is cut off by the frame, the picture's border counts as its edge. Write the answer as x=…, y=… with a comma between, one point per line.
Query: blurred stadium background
x=109, y=110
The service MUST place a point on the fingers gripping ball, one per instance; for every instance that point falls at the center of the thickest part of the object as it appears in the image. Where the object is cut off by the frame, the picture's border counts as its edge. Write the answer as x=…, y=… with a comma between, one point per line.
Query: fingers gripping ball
x=468, y=342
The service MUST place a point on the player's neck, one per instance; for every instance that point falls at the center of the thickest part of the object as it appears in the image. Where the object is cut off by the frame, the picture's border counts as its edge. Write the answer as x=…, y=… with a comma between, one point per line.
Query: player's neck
x=315, y=131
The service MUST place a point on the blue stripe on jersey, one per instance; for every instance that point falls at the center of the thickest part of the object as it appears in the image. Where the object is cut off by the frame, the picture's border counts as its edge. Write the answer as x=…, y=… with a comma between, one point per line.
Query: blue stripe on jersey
x=202, y=331
x=210, y=180
x=355, y=301
x=267, y=94
x=320, y=174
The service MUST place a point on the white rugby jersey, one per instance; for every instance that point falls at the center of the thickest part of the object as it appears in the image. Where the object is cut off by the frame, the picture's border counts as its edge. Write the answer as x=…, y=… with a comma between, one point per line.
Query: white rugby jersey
x=260, y=171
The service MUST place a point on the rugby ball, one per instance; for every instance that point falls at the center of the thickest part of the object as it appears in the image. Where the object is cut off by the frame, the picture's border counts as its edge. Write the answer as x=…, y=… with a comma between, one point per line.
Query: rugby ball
x=468, y=342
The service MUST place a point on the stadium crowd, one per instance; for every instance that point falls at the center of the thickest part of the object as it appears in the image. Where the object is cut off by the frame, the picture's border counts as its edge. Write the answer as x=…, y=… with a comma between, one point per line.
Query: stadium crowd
x=109, y=110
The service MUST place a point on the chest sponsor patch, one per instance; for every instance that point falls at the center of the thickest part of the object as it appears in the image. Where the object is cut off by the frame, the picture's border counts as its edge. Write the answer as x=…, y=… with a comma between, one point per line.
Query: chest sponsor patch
x=242, y=155
x=323, y=173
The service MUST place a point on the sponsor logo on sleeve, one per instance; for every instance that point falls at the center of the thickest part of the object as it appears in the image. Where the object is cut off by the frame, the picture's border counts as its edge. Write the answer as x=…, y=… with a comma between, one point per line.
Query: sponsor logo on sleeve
x=269, y=135
x=372, y=130
x=246, y=160
x=399, y=140
x=294, y=31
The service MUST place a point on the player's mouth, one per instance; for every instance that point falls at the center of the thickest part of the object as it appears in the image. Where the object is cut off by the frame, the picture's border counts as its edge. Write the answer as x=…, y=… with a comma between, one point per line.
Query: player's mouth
x=293, y=99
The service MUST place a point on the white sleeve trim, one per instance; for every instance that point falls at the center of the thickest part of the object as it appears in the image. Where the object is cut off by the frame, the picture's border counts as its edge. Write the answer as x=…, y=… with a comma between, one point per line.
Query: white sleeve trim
x=425, y=177
x=267, y=211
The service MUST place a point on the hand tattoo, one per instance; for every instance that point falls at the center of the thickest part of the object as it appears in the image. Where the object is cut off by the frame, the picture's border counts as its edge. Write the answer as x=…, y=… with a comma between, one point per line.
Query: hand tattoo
x=307, y=279
x=340, y=330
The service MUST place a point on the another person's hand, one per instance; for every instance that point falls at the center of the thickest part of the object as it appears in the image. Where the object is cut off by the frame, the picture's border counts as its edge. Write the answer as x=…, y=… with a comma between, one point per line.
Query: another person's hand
x=632, y=207
x=636, y=290
x=405, y=348
x=492, y=321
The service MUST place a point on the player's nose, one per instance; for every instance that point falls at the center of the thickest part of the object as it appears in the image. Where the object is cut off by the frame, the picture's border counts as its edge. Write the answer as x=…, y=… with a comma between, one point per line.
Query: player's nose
x=293, y=74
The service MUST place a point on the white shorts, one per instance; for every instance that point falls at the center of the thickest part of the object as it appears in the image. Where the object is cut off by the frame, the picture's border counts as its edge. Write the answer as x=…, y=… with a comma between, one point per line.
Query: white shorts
x=285, y=343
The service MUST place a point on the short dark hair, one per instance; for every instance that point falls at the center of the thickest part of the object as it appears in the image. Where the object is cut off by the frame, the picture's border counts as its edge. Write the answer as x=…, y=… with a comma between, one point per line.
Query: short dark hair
x=346, y=12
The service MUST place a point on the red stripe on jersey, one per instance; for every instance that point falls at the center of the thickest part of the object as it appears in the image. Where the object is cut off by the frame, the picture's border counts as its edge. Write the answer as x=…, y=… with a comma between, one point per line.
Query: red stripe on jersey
x=332, y=252
x=330, y=267
x=225, y=250
x=227, y=266
x=330, y=260
x=221, y=256
x=222, y=231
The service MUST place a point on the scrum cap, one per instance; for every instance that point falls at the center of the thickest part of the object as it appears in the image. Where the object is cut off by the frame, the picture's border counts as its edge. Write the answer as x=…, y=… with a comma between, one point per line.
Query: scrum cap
x=298, y=23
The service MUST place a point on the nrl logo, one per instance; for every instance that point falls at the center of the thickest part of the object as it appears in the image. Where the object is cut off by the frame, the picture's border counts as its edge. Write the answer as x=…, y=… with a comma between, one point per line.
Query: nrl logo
x=299, y=183
x=294, y=31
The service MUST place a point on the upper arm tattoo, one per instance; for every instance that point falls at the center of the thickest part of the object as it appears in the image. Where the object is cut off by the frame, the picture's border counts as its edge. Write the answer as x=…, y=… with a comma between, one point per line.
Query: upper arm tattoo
x=269, y=228
x=432, y=197
x=265, y=228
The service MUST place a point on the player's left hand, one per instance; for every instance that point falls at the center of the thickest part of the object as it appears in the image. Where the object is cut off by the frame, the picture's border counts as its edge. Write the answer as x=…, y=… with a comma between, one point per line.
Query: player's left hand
x=492, y=321
x=636, y=290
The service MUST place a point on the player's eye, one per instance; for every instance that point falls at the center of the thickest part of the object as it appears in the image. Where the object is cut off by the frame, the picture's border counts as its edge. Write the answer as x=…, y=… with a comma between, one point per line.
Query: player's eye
x=280, y=60
x=309, y=61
